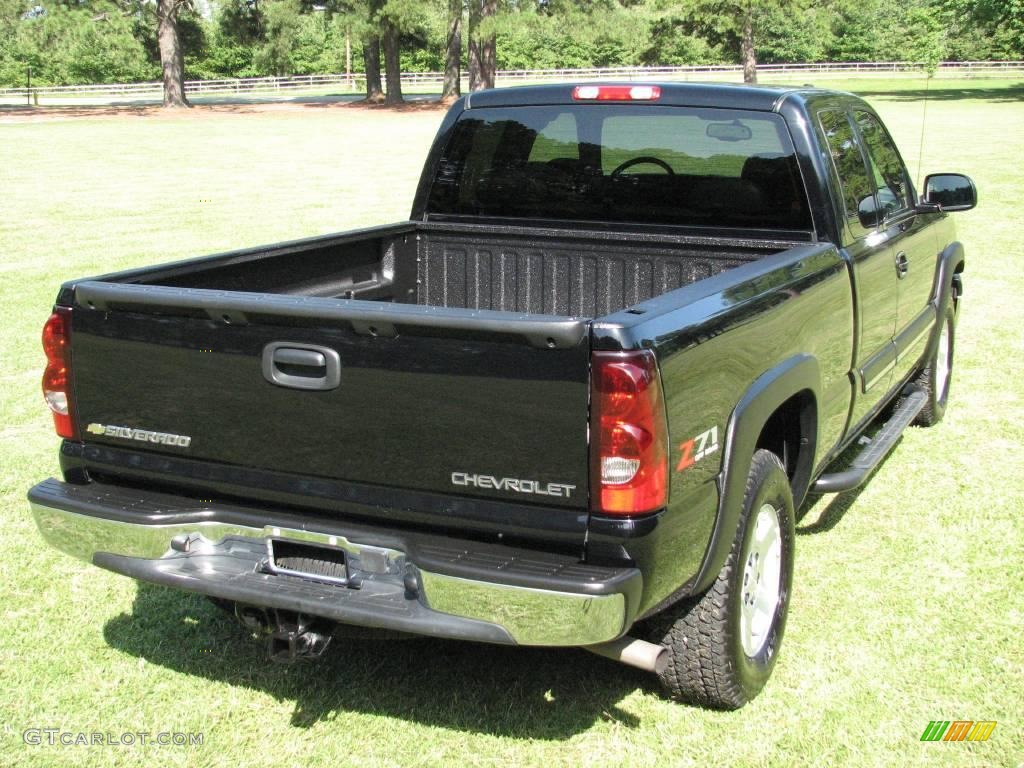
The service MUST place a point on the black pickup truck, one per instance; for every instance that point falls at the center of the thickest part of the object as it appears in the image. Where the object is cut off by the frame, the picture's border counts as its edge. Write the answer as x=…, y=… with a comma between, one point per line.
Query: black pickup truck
x=575, y=400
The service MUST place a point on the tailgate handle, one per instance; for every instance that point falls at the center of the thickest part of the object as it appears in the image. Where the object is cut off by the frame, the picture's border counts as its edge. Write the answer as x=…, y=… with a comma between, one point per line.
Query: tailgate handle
x=301, y=366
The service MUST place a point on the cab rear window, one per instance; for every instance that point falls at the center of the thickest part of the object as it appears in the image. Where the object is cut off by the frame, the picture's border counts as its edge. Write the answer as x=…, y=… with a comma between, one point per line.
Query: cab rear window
x=623, y=163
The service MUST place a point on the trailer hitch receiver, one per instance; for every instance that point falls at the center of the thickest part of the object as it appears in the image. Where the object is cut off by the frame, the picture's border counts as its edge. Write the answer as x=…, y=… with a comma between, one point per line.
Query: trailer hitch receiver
x=291, y=636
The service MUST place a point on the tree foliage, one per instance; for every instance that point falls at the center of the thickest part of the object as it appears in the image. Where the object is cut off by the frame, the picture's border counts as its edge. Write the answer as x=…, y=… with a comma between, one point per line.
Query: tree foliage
x=99, y=42
x=96, y=41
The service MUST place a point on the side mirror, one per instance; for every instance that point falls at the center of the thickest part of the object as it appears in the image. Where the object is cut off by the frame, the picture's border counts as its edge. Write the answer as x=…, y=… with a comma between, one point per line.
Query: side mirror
x=950, y=191
x=868, y=212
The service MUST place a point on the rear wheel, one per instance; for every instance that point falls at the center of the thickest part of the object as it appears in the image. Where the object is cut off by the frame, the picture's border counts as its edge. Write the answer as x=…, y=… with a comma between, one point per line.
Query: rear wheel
x=936, y=376
x=723, y=645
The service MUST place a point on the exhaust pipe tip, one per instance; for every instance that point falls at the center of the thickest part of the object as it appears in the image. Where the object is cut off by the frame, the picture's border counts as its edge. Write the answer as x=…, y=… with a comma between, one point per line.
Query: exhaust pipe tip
x=633, y=652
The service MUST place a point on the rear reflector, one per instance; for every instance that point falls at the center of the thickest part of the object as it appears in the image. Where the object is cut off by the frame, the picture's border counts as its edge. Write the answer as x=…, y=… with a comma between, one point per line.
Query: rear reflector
x=616, y=93
x=629, y=434
x=57, y=376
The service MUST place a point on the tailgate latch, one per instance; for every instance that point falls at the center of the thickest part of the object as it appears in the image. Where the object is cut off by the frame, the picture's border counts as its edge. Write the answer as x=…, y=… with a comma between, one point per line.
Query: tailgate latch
x=301, y=366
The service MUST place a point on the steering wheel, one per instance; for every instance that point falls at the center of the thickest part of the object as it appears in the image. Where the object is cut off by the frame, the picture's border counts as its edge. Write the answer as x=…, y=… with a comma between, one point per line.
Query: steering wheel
x=643, y=159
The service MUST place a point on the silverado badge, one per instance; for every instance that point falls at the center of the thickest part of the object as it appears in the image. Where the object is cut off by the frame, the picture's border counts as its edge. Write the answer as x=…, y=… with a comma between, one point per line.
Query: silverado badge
x=142, y=435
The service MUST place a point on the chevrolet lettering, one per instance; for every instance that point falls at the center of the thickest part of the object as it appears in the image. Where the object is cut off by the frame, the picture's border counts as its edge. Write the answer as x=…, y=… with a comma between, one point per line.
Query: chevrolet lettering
x=512, y=484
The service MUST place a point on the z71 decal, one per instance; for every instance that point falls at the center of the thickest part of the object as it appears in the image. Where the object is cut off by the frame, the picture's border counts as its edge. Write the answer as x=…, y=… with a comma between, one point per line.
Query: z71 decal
x=695, y=449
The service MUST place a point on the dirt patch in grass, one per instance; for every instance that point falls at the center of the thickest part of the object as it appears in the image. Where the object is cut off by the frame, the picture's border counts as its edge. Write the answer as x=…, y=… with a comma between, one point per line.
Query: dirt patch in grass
x=22, y=114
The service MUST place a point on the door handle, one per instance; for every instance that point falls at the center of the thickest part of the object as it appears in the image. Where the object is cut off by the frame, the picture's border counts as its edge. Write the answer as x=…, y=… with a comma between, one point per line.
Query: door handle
x=302, y=357
x=301, y=366
x=902, y=264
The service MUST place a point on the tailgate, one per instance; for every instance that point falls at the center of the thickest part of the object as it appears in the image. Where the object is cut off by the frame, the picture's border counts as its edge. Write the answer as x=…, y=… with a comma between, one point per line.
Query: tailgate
x=476, y=404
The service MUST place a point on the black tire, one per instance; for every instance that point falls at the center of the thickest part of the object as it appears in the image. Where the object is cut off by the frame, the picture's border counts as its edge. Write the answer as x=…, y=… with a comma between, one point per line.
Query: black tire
x=931, y=380
x=707, y=662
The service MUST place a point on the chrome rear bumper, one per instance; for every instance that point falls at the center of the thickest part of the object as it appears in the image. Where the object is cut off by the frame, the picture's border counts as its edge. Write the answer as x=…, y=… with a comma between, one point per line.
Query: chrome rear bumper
x=203, y=548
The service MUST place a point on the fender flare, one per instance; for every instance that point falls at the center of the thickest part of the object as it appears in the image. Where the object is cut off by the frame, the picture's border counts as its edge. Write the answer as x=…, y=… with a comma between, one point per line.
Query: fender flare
x=950, y=258
x=769, y=391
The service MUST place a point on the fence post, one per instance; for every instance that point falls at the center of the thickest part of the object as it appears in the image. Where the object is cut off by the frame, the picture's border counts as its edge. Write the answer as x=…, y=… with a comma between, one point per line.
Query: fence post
x=28, y=87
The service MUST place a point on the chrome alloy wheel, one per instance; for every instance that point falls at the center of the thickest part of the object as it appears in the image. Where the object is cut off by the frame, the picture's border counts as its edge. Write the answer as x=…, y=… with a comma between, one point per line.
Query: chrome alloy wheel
x=762, y=580
x=942, y=363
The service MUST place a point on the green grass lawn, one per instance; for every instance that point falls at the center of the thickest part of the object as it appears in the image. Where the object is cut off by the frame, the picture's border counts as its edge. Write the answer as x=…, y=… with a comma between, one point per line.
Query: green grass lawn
x=908, y=599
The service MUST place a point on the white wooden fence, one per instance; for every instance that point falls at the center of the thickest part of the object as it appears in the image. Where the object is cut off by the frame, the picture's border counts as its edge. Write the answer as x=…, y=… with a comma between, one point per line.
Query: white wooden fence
x=268, y=86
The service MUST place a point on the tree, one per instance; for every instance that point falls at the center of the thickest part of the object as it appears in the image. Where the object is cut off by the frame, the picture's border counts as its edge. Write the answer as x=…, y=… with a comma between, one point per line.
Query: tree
x=96, y=41
x=281, y=23
x=999, y=22
x=926, y=43
x=866, y=30
x=172, y=58
x=785, y=36
x=736, y=24
x=453, y=53
x=748, y=55
x=371, y=64
x=488, y=43
x=482, y=44
x=400, y=19
x=392, y=63
x=241, y=20
x=371, y=55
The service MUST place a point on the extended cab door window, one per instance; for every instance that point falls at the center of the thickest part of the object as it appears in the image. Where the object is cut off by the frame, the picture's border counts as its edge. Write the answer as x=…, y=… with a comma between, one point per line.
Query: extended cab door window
x=889, y=176
x=908, y=235
x=875, y=277
x=858, y=189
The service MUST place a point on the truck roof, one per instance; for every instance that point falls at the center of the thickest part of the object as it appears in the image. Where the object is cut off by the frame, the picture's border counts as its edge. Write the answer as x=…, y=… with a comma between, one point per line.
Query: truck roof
x=728, y=95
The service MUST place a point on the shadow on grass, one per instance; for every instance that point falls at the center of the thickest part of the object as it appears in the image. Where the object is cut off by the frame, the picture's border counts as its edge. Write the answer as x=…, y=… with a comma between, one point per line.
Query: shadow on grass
x=830, y=516
x=841, y=503
x=217, y=106
x=526, y=693
x=948, y=92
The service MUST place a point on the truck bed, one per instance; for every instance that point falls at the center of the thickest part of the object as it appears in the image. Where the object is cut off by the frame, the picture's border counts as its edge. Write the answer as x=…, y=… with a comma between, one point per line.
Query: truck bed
x=537, y=271
x=461, y=375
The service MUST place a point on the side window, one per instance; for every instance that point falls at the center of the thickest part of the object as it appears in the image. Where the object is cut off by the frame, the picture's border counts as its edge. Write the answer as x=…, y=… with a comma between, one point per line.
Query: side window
x=891, y=182
x=857, y=187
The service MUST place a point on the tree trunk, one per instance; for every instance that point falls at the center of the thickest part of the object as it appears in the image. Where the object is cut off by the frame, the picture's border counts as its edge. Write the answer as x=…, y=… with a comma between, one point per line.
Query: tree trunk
x=392, y=64
x=348, y=57
x=488, y=44
x=172, y=59
x=747, y=46
x=371, y=62
x=452, y=67
x=473, y=48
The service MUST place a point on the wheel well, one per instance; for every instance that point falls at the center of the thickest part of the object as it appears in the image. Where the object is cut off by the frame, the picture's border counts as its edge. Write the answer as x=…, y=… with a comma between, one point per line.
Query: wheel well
x=790, y=433
x=957, y=284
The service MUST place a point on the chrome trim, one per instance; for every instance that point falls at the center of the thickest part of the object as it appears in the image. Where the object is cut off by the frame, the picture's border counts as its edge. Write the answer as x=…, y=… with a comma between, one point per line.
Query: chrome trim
x=910, y=345
x=878, y=376
x=530, y=616
x=82, y=536
x=273, y=567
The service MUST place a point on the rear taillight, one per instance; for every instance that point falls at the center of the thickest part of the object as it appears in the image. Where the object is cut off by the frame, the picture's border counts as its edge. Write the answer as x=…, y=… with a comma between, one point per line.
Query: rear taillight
x=616, y=93
x=629, y=436
x=57, y=377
